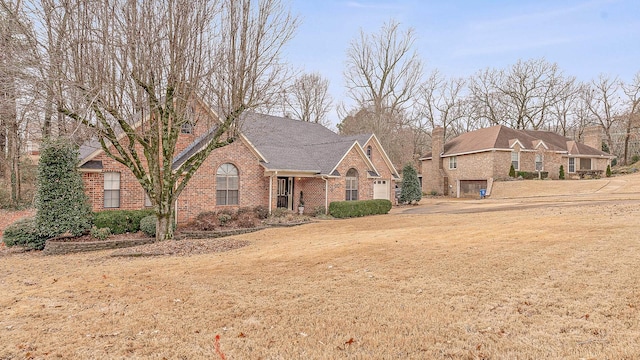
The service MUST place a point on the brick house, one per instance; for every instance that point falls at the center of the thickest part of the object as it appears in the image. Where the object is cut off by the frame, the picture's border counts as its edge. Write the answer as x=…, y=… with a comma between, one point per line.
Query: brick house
x=271, y=163
x=473, y=160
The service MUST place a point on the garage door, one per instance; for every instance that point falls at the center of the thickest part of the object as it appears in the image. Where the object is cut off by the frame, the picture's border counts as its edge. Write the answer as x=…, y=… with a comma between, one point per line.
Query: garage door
x=381, y=189
x=471, y=188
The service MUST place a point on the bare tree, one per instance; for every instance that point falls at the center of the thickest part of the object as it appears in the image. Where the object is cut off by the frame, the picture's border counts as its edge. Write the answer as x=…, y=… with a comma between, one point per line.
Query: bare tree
x=17, y=95
x=441, y=102
x=563, y=112
x=382, y=76
x=601, y=96
x=631, y=117
x=132, y=71
x=485, y=98
x=521, y=96
x=308, y=98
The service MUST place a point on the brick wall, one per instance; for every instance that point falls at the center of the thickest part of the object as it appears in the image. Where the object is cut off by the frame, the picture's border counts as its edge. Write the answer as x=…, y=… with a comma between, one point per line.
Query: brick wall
x=337, y=187
x=383, y=169
x=200, y=193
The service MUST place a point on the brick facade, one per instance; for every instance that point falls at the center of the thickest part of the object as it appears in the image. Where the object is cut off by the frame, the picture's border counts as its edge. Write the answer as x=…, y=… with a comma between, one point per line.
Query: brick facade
x=493, y=164
x=255, y=184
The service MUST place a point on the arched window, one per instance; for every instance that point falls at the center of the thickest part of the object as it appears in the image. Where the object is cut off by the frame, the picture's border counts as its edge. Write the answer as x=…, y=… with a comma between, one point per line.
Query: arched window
x=352, y=184
x=227, y=185
x=369, y=152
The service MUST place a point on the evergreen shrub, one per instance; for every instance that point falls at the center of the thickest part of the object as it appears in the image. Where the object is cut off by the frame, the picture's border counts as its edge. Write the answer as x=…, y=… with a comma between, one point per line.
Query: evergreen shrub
x=24, y=233
x=148, y=225
x=347, y=209
x=61, y=204
x=120, y=221
x=411, y=192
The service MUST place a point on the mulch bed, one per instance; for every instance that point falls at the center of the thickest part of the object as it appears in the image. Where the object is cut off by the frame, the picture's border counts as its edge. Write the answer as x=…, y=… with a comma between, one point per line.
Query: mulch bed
x=185, y=247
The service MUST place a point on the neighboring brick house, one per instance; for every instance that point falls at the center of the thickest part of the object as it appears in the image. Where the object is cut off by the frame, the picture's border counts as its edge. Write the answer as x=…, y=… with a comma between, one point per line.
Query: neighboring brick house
x=473, y=160
x=273, y=160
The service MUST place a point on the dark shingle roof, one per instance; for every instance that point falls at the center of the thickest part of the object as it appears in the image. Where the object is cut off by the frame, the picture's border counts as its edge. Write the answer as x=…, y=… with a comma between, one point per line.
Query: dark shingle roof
x=289, y=144
x=285, y=144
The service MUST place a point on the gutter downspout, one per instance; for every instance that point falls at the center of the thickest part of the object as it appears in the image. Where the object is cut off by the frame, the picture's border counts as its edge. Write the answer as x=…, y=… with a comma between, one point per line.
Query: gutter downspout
x=326, y=195
x=271, y=191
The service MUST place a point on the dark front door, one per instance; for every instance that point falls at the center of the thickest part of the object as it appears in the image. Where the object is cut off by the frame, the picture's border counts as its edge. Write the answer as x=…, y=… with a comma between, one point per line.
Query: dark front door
x=285, y=192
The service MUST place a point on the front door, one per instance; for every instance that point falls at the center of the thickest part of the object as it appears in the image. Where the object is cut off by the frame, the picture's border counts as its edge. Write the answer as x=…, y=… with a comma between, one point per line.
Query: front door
x=285, y=192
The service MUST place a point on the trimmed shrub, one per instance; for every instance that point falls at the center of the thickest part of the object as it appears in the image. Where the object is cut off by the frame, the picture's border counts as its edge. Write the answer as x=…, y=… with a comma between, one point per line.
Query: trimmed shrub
x=635, y=159
x=100, y=233
x=247, y=220
x=319, y=211
x=148, y=225
x=561, y=174
x=608, y=171
x=261, y=212
x=512, y=171
x=120, y=221
x=347, y=209
x=280, y=212
x=411, y=192
x=532, y=175
x=62, y=206
x=24, y=233
x=223, y=218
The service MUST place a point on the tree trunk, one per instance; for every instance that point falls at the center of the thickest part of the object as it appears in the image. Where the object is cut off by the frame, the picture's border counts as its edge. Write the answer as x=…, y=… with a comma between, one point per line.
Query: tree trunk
x=164, y=223
x=627, y=138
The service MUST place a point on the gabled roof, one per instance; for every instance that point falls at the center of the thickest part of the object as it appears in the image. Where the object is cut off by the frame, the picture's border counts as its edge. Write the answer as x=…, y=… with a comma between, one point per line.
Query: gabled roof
x=503, y=138
x=294, y=145
x=280, y=144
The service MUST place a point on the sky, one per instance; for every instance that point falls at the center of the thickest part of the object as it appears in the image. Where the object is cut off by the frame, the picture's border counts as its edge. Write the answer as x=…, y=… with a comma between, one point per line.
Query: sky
x=584, y=37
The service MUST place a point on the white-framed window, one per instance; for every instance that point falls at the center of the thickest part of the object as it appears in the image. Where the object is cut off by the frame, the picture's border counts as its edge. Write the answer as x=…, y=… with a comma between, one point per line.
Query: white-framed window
x=539, y=166
x=572, y=165
x=227, y=185
x=352, y=185
x=187, y=126
x=147, y=200
x=111, y=190
x=453, y=162
x=515, y=160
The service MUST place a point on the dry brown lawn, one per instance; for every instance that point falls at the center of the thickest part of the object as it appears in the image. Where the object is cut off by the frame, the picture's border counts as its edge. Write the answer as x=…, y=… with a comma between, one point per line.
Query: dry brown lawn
x=543, y=282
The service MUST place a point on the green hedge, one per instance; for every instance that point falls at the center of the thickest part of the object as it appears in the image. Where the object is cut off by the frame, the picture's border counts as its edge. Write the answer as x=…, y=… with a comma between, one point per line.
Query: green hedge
x=24, y=233
x=347, y=209
x=120, y=221
x=532, y=175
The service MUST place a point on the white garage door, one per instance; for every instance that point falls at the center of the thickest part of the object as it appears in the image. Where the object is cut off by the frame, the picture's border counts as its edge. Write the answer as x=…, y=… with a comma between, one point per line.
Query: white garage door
x=381, y=189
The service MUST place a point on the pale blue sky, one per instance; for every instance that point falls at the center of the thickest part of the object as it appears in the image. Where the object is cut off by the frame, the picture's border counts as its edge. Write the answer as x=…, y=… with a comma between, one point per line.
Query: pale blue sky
x=584, y=37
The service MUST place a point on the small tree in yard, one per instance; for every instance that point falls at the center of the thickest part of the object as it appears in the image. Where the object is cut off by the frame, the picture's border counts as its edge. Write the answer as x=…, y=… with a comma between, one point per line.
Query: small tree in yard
x=561, y=174
x=61, y=203
x=608, y=173
x=512, y=171
x=411, y=192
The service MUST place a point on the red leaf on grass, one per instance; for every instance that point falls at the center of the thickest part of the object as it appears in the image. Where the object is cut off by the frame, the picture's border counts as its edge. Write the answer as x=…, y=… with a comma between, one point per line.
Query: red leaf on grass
x=217, y=346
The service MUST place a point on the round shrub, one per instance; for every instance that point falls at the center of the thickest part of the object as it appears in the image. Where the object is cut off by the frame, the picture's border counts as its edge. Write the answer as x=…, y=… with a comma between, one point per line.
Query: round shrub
x=261, y=212
x=24, y=233
x=100, y=233
x=148, y=225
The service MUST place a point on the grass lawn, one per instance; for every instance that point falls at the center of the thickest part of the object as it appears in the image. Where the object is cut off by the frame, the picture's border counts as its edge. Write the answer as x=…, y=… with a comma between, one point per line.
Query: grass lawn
x=530, y=283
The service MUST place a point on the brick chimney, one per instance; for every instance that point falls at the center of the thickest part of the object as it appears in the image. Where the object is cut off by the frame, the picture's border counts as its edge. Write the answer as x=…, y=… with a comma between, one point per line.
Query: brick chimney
x=437, y=148
x=592, y=136
x=437, y=145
